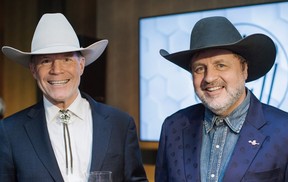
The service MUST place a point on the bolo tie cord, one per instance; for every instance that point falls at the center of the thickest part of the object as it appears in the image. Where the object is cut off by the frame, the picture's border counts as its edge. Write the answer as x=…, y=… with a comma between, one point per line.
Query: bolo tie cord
x=65, y=117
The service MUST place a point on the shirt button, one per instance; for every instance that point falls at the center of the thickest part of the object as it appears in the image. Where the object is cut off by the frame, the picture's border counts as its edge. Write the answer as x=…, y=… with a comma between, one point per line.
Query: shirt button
x=212, y=175
x=217, y=146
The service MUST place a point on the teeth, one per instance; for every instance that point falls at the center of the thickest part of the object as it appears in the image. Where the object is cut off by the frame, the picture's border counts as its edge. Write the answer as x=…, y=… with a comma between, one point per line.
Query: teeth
x=213, y=88
x=58, y=82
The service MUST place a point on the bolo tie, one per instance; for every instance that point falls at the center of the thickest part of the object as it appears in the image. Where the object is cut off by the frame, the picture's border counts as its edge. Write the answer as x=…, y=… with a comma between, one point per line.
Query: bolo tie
x=65, y=118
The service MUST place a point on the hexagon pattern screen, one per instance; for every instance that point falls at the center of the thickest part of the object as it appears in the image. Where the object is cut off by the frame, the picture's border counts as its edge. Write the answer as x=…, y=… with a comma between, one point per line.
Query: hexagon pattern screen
x=166, y=88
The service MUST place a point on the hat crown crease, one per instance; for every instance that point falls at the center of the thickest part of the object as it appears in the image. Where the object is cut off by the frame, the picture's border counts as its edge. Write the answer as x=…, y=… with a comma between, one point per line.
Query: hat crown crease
x=54, y=32
x=211, y=33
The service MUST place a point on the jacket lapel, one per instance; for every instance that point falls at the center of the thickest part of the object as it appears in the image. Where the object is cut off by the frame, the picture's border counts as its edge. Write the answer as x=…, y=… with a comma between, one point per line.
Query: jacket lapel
x=192, y=136
x=101, y=134
x=248, y=144
x=37, y=132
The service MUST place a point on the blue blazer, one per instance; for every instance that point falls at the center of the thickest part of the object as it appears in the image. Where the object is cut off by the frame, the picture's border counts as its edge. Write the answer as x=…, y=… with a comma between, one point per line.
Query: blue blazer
x=26, y=153
x=178, y=157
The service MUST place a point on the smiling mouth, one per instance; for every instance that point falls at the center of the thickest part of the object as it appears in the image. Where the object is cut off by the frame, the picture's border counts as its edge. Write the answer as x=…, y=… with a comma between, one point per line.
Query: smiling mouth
x=211, y=89
x=58, y=82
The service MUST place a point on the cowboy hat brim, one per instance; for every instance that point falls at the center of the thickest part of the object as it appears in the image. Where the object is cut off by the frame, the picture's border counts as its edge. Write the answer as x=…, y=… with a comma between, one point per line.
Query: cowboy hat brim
x=91, y=53
x=258, y=49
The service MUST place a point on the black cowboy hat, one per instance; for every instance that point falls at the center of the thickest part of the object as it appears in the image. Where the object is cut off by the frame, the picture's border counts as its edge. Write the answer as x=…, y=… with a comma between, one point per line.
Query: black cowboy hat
x=218, y=32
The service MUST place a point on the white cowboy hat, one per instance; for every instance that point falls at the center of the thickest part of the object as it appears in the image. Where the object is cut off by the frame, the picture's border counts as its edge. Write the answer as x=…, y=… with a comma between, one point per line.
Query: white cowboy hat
x=54, y=34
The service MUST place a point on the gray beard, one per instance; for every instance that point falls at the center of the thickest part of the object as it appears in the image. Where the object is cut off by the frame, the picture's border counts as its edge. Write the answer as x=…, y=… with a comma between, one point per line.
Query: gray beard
x=220, y=108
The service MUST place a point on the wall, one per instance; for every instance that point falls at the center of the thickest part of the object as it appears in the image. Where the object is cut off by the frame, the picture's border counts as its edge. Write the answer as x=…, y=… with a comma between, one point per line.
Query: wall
x=18, y=87
x=1, y=40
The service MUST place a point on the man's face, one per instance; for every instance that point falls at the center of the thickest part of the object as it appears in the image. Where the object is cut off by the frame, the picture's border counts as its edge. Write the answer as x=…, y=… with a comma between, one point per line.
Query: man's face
x=219, y=80
x=58, y=76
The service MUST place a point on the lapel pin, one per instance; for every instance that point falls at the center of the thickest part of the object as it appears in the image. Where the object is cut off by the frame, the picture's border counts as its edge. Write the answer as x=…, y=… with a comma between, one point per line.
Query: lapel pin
x=253, y=142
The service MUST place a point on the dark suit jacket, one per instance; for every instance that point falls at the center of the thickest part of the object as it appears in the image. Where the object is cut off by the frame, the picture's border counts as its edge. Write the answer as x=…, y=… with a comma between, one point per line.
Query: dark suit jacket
x=179, y=150
x=26, y=153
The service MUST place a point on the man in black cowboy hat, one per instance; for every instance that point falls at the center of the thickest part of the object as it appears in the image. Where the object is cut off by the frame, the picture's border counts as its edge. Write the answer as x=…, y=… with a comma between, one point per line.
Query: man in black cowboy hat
x=67, y=134
x=231, y=135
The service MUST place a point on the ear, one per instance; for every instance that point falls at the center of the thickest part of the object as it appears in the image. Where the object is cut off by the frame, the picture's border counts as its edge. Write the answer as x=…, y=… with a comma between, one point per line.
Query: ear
x=82, y=64
x=245, y=70
x=32, y=69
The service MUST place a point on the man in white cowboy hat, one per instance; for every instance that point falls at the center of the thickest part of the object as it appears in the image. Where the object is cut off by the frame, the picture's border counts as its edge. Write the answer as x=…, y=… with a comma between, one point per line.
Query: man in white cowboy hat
x=231, y=135
x=67, y=134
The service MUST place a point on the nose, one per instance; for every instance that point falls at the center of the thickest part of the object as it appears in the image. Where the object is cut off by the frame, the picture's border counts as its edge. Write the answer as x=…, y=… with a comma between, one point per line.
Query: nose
x=56, y=67
x=210, y=75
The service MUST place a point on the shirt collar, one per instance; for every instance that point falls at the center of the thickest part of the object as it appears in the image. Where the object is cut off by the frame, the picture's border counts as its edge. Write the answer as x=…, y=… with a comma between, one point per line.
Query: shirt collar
x=51, y=111
x=234, y=121
x=76, y=107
